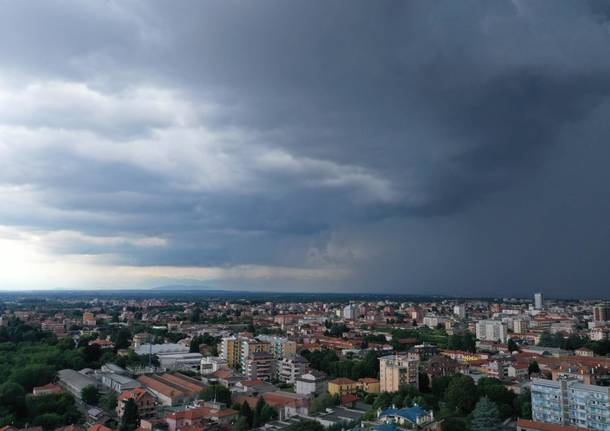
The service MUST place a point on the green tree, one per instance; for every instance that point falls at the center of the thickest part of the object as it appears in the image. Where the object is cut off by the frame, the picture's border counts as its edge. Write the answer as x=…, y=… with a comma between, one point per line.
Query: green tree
x=257, y=414
x=454, y=424
x=90, y=394
x=495, y=391
x=32, y=375
x=109, y=401
x=533, y=367
x=268, y=413
x=12, y=399
x=512, y=346
x=439, y=386
x=523, y=404
x=246, y=412
x=216, y=392
x=308, y=425
x=424, y=382
x=122, y=338
x=131, y=418
x=462, y=394
x=320, y=403
x=49, y=421
x=241, y=424
x=485, y=416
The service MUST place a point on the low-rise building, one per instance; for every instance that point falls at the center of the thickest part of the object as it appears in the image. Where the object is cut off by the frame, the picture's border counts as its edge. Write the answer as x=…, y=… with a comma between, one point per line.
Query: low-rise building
x=313, y=382
x=74, y=382
x=180, y=361
x=144, y=400
x=342, y=385
x=210, y=364
x=118, y=382
x=410, y=418
x=369, y=385
x=290, y=368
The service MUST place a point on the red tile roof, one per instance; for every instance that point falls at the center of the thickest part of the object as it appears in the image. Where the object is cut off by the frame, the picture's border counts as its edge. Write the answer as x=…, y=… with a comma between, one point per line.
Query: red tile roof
x=136, y=394
x=155, y=384
x=542, y=426
x=342, y=381
x=348, y=399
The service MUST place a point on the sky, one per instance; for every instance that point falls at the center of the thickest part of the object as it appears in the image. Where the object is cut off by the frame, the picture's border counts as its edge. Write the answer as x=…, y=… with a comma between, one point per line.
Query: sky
x=406, y=147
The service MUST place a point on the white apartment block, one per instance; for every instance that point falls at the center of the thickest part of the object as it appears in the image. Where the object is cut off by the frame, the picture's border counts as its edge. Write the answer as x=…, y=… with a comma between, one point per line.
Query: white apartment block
x=571, y=403
x=460, y=311
x=491, y=330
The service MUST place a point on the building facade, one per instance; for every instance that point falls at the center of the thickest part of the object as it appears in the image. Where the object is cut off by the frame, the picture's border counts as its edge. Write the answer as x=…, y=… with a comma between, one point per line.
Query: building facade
x=397, y=370
x=491, y=330
x=569, y=402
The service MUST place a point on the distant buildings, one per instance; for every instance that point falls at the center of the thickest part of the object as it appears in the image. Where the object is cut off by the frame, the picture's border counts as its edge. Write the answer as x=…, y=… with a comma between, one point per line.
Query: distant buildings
x=601, y=313
x=349, y=312
x=89, y=319
x=569, y=402
x=520, y=326
x=397, y=370
x=460, y=311
x=538, y=301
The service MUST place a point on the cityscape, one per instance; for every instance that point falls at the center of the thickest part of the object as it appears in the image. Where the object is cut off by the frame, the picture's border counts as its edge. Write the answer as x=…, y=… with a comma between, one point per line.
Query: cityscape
x=304, y=215
x=172, y=362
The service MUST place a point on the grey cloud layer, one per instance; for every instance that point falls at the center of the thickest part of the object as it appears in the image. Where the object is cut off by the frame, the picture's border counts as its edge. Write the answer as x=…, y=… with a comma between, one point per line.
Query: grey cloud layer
x=362, y=135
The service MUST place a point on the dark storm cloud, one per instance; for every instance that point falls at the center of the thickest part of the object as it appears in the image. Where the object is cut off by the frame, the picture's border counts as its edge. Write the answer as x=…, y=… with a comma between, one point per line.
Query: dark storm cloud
x=360, y=135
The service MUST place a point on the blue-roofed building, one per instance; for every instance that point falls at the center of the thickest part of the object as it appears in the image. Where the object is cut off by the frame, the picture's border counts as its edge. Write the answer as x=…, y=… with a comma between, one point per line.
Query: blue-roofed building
x=377, y=427
x=408, y=417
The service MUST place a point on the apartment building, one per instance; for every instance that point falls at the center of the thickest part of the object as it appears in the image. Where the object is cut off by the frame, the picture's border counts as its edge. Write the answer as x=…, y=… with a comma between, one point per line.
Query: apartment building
x=230, y=351
x=601, y=313
x=251, y=346
x=289, y=369
x=397, y=370
x=491, y=330
x=280, y=347
x=259, y=365
x=569, y=402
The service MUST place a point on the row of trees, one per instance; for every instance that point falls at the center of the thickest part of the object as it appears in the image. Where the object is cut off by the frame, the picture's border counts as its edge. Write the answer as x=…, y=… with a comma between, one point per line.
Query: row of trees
x=30, y=357
x=249, y=418
x=573, y=342
x=455, y=398
x=328, y=362
x=49, y=411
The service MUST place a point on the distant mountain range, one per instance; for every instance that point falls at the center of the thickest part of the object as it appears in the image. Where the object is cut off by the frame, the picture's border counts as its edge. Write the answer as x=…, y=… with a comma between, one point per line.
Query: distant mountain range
x=182, y=287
